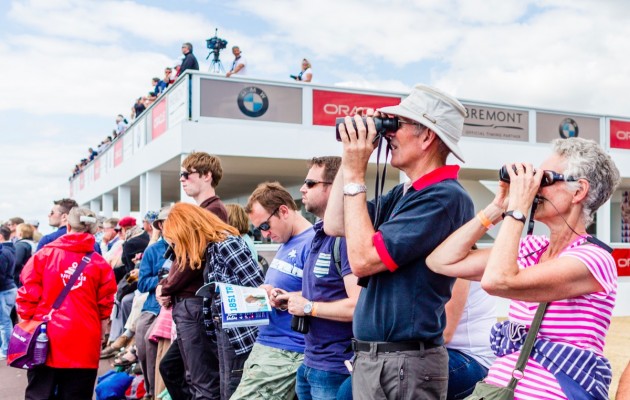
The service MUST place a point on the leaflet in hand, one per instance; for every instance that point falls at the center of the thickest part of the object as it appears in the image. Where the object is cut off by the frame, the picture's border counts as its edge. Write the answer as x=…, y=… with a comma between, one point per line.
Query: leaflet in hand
x=243, y=306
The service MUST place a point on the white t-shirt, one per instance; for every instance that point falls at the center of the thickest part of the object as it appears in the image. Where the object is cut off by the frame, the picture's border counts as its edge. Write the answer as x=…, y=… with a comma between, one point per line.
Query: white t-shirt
x=241, y=60
x=307, y=72
x=472, y=335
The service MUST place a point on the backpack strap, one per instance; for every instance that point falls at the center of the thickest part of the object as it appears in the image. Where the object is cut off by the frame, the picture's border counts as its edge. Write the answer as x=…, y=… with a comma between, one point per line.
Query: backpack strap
x=336, y=255
x=77, y=272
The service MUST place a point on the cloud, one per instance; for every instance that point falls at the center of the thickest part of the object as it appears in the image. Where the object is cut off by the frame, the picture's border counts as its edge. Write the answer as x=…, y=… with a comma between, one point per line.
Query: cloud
x=42, y=177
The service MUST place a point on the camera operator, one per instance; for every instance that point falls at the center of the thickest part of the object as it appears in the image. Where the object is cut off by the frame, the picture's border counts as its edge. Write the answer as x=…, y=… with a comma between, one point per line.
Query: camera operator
x=239, y=65
x=189, y=61
x=399, y=317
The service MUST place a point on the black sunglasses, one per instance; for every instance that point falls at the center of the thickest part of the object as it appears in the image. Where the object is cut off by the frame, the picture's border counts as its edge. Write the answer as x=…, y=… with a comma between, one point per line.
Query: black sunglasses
x=551, y=177
x=265, y=225
x=310, y=183
x=548, y=178
x=186, y=174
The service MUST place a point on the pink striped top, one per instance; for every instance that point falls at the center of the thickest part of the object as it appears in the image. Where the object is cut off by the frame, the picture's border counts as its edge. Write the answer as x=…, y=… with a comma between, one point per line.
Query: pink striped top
x=580, y=321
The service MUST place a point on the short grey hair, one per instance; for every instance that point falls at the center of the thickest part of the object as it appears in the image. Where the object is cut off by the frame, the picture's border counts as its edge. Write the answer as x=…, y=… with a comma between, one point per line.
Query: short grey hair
x=82, y=219
x=586, y=159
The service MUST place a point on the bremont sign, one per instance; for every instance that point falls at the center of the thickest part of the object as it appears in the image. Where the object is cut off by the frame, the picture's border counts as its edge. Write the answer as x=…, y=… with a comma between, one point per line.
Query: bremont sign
x=496, y=123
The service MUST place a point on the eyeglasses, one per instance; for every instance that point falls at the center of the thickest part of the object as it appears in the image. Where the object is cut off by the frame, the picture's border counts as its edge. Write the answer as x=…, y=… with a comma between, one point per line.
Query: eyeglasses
x=311, y=183
x=551, y=177
x=265, y=225
x=186, y=174
x=401, y=123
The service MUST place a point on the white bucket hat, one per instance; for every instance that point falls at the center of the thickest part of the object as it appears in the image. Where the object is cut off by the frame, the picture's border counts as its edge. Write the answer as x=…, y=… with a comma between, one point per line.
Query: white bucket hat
x=436, y=110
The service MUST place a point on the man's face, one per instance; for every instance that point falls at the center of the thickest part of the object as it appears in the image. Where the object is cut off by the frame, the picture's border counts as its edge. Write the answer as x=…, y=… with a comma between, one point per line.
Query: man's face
x=146, y=225
x=236, y=51
x=405, y=145
x=185, y=50
x=194, y=183
x=315, y=198
x=109, y=232
x=57, y=217
x=279, y=225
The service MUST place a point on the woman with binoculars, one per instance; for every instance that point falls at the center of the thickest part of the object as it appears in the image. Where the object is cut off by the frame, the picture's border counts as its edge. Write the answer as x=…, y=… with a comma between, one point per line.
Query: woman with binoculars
x=570, y=270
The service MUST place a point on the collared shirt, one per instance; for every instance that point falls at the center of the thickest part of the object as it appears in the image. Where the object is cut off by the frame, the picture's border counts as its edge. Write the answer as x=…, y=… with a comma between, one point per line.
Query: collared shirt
x=230, y=261
x=407, y=302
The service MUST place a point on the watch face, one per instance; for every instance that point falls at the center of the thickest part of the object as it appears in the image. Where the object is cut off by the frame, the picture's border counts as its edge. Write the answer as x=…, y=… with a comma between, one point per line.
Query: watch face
x=308, y=307
x=518, y=215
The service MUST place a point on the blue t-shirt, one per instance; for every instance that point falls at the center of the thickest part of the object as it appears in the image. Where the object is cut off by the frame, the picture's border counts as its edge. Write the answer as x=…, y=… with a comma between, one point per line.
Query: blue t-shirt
x=408, y=303
x=327, y=341
x=285, y=272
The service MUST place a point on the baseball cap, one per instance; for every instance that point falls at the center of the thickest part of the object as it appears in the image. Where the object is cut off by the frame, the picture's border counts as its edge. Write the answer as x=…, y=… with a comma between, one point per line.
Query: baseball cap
x=438, y=111
x=33, y=222
x=150, y=216
x=161, y=216
x=126, y=222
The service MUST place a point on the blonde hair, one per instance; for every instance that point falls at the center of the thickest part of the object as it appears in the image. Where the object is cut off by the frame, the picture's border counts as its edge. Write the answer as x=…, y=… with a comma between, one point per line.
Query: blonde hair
x=237, y=217
x=191, y=228
x=82, y=220
x=25, y=231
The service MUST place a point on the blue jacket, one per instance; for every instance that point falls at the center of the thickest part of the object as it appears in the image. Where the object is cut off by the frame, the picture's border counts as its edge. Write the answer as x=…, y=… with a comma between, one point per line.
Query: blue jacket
x=51, y=237
x=7, y=266
x=152, y=262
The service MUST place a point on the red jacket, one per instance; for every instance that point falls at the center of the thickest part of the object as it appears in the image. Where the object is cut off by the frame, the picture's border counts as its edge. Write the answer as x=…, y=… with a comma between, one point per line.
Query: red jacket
x=75, y=329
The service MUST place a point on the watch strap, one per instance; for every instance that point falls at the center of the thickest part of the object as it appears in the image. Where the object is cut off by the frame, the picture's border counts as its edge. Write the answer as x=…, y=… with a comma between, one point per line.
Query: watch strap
x=510, y=213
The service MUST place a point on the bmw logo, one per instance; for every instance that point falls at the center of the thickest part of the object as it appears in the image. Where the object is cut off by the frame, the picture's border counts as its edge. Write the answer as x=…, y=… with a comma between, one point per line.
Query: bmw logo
x=568, y=128
x=253, y=102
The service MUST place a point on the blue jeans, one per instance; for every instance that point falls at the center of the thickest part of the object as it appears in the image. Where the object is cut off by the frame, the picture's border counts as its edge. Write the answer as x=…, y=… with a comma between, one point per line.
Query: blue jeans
x=463, y=373
x=7, y=302
x=345, y=390
x=315, y=384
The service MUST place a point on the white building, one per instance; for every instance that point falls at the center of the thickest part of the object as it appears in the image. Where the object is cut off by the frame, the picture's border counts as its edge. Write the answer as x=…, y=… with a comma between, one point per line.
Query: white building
x=266, y=130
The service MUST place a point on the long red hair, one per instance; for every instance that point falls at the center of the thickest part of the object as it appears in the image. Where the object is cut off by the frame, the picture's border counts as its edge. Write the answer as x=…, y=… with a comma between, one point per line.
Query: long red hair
x=190, y=229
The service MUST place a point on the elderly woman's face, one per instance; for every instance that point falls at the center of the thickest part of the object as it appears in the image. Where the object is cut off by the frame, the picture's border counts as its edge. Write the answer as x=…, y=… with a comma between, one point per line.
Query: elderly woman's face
x=556, y=193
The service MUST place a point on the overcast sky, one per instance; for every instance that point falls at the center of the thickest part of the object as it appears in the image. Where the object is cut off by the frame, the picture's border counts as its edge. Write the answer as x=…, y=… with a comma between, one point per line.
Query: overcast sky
x=72, y=65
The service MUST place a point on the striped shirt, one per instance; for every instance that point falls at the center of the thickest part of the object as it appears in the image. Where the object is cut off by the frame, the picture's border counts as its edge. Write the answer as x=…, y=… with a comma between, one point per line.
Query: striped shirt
x=580, y=321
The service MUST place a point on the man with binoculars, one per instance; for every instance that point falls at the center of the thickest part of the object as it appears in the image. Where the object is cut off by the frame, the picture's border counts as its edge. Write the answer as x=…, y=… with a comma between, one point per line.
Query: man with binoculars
x=399, y=317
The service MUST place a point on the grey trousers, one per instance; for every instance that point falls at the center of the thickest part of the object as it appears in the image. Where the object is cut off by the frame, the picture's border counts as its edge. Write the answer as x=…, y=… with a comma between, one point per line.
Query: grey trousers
x=146, y=349
x=404, y=375
x=198, y=352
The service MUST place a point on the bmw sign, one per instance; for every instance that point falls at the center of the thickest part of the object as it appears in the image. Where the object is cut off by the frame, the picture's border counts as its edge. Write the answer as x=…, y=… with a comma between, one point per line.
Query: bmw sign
x=568, y=128
x=253, y=102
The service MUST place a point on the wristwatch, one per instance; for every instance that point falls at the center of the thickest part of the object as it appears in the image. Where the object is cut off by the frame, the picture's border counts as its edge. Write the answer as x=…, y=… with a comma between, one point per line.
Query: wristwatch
x=516, y=214
x=352, y=189
x=308, y=308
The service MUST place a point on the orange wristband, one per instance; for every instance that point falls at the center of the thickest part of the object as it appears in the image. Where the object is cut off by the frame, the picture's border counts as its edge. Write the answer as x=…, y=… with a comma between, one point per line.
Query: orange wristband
x=481, y=216
x=314, y=310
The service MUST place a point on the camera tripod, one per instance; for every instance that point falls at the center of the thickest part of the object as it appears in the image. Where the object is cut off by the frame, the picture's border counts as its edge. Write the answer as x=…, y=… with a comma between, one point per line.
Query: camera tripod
x=216, y=67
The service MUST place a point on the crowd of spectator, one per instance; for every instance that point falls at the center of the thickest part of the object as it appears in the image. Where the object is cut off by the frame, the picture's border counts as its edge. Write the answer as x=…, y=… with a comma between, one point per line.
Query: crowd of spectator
x=159, y=86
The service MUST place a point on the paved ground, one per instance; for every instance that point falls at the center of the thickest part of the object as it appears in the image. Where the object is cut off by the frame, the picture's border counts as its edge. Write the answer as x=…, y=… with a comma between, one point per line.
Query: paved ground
x=13, y=381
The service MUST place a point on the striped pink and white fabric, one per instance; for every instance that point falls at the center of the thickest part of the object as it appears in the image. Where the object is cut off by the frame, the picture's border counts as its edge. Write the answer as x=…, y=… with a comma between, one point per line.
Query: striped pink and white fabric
x=581, y=321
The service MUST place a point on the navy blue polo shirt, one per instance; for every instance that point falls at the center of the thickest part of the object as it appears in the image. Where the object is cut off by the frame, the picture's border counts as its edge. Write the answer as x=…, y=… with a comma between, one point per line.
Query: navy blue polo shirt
x=327, y=341
x=407, y=302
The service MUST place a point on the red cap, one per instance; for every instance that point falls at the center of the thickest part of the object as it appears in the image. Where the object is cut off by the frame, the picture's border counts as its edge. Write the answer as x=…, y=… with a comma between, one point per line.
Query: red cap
x=127, y=222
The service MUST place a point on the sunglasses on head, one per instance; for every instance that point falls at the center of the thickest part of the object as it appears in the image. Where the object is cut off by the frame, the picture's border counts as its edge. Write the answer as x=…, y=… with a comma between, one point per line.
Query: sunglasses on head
x=310, y=183
x=265, y=225
x=186, y=174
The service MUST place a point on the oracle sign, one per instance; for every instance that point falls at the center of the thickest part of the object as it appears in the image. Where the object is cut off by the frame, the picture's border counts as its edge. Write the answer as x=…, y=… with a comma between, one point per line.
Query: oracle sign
x=158, y=119
x=328, y=105
x=622, y=260
x=619, y=134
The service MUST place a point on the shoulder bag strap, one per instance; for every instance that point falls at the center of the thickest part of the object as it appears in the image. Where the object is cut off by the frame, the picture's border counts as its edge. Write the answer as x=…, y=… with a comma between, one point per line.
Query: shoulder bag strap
x=526, y=350
x=62, y=296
